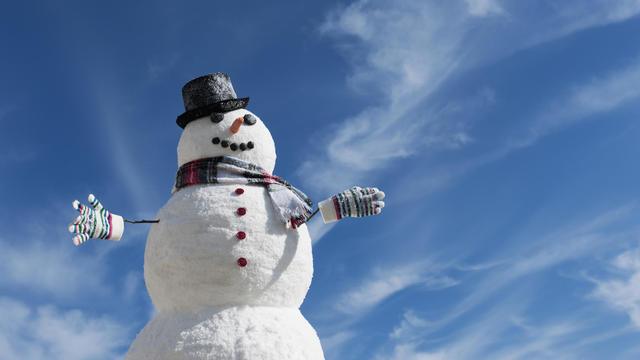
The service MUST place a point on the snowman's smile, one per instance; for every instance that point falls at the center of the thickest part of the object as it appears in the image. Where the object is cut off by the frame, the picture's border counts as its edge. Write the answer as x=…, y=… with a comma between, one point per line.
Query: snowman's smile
x=233, y=146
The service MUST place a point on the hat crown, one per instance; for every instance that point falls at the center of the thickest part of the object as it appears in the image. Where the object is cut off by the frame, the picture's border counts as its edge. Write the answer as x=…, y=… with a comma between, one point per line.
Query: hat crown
x=206, y=90
x=207, y=94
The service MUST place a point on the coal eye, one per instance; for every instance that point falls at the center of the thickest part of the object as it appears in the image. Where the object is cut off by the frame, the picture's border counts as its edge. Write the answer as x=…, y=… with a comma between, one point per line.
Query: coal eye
x=217, y=117
x=249, y=119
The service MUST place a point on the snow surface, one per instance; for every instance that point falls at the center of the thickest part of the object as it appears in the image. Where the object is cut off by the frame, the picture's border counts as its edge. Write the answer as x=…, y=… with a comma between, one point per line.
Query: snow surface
x=190, y=260
x=195, y=142
x=240, y=332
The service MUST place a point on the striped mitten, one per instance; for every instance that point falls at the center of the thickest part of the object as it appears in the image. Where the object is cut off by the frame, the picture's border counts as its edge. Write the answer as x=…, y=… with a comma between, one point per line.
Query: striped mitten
x=98, y=223
x=354, y=202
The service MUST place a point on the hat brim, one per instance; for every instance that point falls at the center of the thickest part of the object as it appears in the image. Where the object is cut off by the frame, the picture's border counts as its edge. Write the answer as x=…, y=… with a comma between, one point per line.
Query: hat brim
x=221, y=106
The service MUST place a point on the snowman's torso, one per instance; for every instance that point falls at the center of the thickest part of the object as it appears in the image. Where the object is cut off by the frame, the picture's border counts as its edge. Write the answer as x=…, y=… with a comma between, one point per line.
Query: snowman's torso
x=194, y=254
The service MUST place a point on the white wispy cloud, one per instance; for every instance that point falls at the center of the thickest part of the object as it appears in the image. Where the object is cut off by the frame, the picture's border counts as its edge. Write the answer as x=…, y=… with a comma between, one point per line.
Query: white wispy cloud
x=622, y=292
x=484, y=7
x=385, y=282
x=502, y=332
x=409, y=326
x=401, y=68
x=45, y=262
x=530, y=256
x=46, y=332
x=540, y=341
x=133, y=283
x=50, y=269
x=573, y=16
x=470, y=343
x=598, y=95
x=111, y=111
x=332, y=345
x=579, y=103
x=521, y=258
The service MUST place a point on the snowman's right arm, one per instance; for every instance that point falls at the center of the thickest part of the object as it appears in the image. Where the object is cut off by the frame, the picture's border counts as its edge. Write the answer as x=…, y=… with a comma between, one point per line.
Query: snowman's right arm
x=354, y=202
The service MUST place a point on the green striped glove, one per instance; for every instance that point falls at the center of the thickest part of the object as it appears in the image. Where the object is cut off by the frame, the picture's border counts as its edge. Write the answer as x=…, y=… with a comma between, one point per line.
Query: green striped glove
x=98, y=223
x=354, y=202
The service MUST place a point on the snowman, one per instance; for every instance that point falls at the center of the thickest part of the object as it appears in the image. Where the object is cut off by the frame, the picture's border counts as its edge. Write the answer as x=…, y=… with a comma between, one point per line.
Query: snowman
x=228, y=260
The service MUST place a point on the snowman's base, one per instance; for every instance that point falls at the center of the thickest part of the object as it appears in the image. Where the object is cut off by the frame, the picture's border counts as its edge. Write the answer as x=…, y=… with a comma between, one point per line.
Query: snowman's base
x=225, y=333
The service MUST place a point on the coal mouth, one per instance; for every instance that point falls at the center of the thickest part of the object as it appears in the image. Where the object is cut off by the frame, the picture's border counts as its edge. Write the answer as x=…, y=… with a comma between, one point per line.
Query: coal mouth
x=233, y=146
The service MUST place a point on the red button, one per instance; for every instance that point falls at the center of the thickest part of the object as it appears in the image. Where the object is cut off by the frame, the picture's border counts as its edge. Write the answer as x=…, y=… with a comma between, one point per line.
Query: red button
x=242, y=211
x=242, y=262
x=241, y=235
x=239, y=191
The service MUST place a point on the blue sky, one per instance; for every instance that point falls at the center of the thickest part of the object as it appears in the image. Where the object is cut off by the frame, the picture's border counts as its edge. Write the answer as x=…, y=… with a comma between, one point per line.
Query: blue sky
x=504, y=134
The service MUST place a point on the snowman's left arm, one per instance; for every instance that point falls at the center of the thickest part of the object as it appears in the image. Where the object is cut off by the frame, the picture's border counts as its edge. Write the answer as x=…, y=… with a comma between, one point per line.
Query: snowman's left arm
x=98, y=223
x=354, y=202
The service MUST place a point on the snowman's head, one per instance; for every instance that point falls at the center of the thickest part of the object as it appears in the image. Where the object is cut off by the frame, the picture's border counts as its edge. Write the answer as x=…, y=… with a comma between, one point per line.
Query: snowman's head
x=238, y=133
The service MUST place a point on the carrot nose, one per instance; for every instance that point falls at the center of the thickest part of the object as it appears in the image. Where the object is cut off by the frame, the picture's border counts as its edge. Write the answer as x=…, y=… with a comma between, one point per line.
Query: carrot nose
x=235, y=127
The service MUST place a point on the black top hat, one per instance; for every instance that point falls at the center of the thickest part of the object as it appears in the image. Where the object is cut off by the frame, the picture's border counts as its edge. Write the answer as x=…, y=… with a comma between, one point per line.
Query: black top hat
x=208, y=94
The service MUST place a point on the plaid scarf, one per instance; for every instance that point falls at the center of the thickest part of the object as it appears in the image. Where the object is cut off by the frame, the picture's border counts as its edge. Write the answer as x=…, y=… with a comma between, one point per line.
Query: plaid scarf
x=290, y=203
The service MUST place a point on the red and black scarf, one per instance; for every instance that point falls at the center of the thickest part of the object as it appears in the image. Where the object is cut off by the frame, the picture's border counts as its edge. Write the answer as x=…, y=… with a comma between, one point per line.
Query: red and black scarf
x=290, y=203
